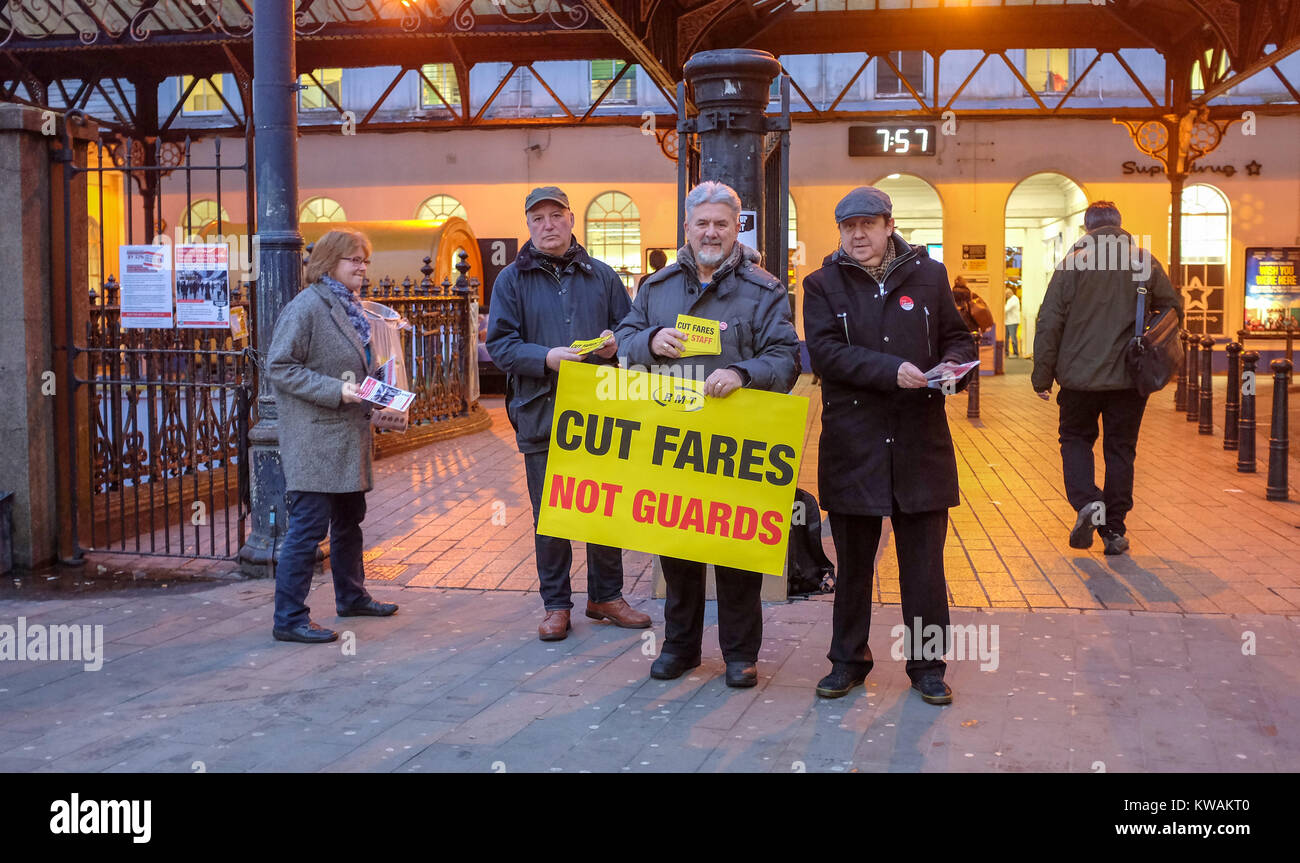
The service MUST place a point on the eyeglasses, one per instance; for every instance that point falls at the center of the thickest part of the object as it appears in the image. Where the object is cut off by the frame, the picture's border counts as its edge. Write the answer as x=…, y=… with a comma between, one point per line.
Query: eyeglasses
x=359, y=261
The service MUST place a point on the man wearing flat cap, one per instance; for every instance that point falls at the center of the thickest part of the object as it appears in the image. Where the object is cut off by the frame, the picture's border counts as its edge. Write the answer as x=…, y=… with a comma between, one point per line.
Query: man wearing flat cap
x=716, y=277
x=877, y=316
x=550, y=296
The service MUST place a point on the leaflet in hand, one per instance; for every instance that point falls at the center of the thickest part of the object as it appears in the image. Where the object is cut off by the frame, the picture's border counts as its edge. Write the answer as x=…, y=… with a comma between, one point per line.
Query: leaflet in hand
x=382, y=394
x=948, y=371
x=586, y=346
x=703, y=336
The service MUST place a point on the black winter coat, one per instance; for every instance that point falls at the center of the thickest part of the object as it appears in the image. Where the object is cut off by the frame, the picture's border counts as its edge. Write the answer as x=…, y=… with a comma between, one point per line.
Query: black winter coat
x=880, y=441
x=532, y=312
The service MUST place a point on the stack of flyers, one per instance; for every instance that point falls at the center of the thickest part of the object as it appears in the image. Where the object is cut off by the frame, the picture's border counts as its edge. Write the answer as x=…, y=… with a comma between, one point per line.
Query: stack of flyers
x=387, y=396
x=948, y=371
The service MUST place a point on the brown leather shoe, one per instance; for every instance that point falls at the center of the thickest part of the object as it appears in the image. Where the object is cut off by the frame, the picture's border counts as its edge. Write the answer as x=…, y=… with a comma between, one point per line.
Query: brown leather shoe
x=555, y=627
x=618, y=612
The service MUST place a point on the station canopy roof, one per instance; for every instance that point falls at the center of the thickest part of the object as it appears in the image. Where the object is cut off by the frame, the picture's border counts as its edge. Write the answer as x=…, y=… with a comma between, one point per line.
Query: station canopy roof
x=47, y=40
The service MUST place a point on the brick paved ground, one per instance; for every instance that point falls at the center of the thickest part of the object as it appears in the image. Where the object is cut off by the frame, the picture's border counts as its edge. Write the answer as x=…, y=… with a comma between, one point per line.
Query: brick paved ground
x=1142, y=662
x=456, y=514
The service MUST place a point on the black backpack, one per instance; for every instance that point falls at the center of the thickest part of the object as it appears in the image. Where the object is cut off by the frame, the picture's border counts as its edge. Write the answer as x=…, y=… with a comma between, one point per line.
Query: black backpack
x=808, y=569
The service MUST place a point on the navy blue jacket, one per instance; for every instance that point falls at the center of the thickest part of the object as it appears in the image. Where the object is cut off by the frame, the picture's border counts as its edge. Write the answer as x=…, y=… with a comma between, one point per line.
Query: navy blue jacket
x=533, y=311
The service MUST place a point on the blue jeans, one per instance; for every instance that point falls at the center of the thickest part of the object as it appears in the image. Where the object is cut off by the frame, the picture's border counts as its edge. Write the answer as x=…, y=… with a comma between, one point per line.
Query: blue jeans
x=311, y=515
x=1013, y=343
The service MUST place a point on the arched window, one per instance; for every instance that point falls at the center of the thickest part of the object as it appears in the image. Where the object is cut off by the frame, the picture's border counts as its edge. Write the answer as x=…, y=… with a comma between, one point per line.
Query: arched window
x=93, y=249
x=440, y=208
x=321, y=209
x=1204, y=250
x=614, y=234
x=200, y=214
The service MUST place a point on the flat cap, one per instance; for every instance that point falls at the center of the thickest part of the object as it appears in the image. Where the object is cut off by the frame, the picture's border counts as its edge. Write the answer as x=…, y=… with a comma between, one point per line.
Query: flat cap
x=863, y=201
x=546, y=193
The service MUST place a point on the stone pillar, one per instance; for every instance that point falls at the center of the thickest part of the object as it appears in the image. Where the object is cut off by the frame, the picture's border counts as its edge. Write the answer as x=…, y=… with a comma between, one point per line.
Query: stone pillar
x=33, y=401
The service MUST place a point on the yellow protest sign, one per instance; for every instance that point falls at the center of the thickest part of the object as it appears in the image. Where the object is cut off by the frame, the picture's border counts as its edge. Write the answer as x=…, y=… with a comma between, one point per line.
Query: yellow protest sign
x=703, y=336
x=647, y=462
x=586, y=346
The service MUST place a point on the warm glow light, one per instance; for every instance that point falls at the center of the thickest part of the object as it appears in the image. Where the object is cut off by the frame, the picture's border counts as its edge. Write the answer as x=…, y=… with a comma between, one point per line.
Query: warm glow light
x=893, y=176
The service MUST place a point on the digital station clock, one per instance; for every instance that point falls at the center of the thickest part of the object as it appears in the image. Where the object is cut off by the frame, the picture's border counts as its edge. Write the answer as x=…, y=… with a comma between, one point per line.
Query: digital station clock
x=891, y=140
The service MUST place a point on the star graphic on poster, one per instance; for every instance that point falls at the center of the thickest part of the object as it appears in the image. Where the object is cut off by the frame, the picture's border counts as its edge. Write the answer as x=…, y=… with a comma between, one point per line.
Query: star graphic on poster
x=1195, y=297
x=1253, y=168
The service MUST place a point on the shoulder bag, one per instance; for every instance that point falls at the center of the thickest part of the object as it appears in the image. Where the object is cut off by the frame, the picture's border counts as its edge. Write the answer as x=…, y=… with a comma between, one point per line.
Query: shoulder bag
x=1154, y=354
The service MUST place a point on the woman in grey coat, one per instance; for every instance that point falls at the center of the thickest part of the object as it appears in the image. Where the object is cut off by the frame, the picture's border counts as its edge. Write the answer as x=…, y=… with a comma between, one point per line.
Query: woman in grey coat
x=320, y=351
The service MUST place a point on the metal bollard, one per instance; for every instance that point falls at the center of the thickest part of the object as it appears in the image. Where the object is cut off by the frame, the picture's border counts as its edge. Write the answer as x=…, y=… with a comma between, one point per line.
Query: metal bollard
x=1246, y=425
x=1232, y=398
x=1193, y=374
x=1180, y=390
x=1206, y=425
x=973, y=388
x=1278, y=440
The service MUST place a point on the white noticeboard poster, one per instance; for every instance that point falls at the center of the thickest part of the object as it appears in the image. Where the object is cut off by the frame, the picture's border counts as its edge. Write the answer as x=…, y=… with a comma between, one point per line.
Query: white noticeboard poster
x=146, y=280
x=202, y=286
x=749, y=228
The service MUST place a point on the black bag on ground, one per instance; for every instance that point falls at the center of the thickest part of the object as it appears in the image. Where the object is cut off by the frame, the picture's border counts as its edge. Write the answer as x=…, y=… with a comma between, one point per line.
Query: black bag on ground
x=1154, y=354
x=808, y=570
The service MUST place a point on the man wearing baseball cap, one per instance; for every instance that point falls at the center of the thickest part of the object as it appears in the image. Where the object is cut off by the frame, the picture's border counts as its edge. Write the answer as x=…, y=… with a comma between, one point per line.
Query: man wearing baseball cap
x=550, y=296
x=877, y=316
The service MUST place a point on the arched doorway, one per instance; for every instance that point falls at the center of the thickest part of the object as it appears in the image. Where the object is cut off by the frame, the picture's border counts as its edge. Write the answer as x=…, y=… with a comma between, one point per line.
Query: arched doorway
x=1205, y=232
x=918, y=211
x=1044, y=217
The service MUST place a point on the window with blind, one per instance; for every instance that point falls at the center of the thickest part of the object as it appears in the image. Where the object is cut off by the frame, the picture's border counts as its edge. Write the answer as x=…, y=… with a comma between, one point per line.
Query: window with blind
x=443, y=77
x=205, y=98
x=313, y=97
x=604, y=71
x=1048, y=69
x=890, y=86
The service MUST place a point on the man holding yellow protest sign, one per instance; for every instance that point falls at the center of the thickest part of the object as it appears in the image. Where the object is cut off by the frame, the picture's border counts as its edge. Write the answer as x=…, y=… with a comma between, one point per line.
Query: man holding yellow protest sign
x=554, y=304
x=721, y=322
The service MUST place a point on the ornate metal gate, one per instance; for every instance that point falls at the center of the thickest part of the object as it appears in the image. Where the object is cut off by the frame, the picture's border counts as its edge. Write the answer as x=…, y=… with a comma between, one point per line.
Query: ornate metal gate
x=157, y=450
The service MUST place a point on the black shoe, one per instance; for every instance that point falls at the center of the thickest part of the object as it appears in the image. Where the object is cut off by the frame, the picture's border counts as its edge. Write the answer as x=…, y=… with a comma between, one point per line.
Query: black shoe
x=933, y=690
x=1081, y=535
x=370, y=608
x=670, y=667
x=307, y=633
x=1116, y=543
x=840, y=681
x=742, y=675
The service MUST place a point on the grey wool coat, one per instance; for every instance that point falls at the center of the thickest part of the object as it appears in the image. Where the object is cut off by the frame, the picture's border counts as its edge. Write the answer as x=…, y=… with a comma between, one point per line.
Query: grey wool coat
x=324, y=443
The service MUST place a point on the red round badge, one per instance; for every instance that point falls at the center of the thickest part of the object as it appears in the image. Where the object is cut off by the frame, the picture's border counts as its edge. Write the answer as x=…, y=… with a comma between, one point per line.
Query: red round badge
x=906, y=302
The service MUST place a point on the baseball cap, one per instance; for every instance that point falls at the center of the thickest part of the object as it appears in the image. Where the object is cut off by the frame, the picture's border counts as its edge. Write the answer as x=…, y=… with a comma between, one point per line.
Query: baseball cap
x=863, y=201
x=546, y=193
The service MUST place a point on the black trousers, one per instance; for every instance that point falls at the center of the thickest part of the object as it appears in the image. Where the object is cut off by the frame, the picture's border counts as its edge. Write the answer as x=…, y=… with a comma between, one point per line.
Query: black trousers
x=1121, y=417
x=555, y=555
x=311, y=515
x=740, y=610
x=918, y=538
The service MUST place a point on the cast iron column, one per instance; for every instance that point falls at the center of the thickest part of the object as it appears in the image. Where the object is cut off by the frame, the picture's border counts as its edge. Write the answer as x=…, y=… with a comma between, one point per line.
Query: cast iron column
x=1193, y=376
x=732, y=87
x=275, y=123
x=1206, y=425
x=1278, y=441
x=1232, y=401
x=1246, y=425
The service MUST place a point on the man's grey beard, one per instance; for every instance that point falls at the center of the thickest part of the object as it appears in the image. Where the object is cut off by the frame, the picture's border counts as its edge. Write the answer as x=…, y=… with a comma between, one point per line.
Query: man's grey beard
x=708, y=260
